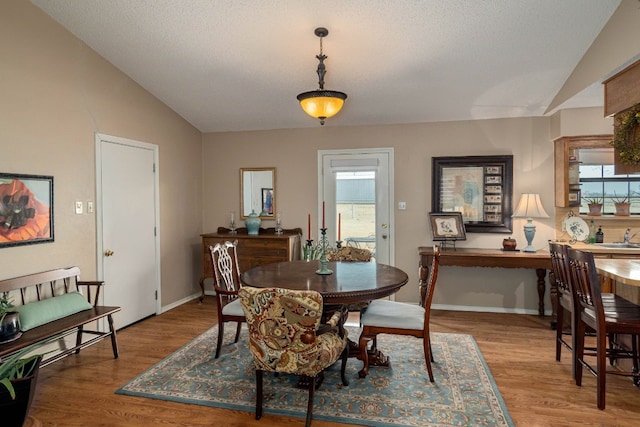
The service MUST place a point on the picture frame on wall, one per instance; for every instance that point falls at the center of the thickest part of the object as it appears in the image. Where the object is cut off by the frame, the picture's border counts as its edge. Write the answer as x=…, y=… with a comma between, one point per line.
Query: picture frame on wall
x=26, y=209
x=479, y=187
x=447, y=226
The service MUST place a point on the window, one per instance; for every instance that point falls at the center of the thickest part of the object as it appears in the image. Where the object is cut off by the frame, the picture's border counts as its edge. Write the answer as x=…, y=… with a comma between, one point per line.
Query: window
x=598, y=180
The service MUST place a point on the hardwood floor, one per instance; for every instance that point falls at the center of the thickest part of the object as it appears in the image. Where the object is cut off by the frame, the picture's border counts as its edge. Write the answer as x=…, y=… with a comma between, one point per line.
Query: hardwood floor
x=519, y=349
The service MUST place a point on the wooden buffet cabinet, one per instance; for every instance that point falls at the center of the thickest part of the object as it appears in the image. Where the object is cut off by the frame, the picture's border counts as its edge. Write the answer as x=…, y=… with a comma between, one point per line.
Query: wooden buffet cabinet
x=253, y=250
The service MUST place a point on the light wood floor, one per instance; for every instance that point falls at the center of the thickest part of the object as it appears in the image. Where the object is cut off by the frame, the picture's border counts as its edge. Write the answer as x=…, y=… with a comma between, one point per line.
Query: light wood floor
x=519, y=349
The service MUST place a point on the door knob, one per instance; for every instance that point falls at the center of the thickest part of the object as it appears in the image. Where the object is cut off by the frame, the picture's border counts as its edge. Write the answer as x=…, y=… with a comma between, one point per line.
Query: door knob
x=108, y=252
x=383, y=226
x=384, y=236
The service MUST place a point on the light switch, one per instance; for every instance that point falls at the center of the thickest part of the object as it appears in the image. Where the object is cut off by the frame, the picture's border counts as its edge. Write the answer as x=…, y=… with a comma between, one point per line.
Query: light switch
x=402, y=206
x=78, y=207
x=89, y=207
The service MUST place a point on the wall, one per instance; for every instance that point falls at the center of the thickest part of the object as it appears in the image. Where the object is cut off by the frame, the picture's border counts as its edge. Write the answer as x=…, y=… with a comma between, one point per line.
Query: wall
x=56, y=94
x=294, y=154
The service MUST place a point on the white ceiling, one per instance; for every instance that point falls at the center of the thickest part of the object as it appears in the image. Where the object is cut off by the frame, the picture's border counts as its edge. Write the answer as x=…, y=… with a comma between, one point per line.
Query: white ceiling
x=230, y=65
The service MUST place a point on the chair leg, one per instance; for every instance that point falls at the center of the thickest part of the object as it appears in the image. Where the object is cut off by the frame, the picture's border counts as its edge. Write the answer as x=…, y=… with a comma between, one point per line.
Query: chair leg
x=312, y=388
x=431, y=352
x=559, y=328
x=238, y=329
x=578, y=351
x=362, y=344
x=426, y=344
x=258, y=394
x=634, y=349
x=601, y=361
x=343, y=368
x=220, y=336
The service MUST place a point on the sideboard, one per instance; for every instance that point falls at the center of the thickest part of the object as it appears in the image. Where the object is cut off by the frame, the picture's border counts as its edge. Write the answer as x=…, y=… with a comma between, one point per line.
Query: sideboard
x=253, y=250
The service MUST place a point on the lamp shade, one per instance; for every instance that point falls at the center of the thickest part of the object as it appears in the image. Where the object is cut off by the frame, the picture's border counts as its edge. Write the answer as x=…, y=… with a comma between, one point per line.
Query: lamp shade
x=322, y=104
x=530, y=206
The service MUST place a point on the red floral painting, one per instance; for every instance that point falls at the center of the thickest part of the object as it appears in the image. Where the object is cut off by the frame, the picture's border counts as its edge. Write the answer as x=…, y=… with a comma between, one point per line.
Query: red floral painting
x=26, y=209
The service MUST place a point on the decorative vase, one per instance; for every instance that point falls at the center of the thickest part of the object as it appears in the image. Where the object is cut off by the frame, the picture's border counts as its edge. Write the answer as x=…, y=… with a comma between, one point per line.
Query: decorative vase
x=10, y=327
x=595, y=209
x=509, y=244
x=622, y=209
x=252, y=223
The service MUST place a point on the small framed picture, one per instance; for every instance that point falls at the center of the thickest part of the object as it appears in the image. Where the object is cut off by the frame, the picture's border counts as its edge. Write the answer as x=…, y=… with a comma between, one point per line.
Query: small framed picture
x=447, y=226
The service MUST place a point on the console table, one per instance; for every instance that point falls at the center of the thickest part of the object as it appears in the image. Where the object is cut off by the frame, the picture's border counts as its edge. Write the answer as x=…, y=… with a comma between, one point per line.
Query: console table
x=266, y=247
x=469, y=257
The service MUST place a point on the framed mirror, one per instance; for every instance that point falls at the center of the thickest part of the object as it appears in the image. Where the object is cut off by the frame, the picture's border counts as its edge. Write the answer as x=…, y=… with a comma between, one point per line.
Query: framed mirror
x=258, y=192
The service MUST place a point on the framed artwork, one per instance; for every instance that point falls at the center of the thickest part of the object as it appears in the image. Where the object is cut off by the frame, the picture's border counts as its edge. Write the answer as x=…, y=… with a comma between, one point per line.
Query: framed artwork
x=26, y=209
x=447, y=226
x=267, y=202
x=479, y=187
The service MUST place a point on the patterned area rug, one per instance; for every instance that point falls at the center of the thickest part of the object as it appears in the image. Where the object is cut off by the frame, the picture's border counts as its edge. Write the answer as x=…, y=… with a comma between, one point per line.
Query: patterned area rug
x=464, y=392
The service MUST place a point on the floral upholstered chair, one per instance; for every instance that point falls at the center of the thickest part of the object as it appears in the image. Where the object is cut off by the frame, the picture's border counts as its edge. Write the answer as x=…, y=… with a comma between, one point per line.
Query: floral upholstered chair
x=286, y=335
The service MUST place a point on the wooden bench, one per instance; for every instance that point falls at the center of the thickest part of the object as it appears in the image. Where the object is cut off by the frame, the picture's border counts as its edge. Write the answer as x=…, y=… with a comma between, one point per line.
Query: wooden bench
x=52, y=284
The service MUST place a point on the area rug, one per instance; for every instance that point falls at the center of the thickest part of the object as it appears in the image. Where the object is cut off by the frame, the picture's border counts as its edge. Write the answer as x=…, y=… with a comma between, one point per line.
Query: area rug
x=464, y=392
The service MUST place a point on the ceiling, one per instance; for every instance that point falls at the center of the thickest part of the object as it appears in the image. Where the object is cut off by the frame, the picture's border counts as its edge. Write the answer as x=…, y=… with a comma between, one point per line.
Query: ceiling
x=232, y=65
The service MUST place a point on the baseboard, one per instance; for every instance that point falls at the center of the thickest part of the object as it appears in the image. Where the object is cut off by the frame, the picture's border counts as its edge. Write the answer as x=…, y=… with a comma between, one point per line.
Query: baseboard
x=191, y=297
x=486, y=309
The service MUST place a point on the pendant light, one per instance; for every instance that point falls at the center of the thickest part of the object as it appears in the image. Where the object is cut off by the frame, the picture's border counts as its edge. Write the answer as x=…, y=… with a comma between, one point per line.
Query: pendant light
x=322, y=104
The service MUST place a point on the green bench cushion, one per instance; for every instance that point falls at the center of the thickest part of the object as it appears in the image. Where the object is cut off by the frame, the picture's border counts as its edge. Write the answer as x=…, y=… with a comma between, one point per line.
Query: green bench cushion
x=38, y=313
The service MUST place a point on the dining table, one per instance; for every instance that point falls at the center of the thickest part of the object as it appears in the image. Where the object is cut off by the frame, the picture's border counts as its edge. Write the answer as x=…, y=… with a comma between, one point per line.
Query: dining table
x=349, y=283
x=619, y=270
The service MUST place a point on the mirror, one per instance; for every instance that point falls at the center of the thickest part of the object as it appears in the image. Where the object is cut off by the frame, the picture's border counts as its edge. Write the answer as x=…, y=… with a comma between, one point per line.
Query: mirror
x=258, y=192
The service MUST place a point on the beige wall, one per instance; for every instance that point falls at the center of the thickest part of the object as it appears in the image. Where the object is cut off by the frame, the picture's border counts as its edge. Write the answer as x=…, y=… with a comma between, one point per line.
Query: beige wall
x=294, y=154
x=56, y=94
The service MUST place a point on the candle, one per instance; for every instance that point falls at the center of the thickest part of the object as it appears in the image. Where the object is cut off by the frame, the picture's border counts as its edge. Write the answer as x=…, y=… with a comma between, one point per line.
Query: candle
x=232, y=218
x=309, y=227
x=339, y=221
x=323, y=226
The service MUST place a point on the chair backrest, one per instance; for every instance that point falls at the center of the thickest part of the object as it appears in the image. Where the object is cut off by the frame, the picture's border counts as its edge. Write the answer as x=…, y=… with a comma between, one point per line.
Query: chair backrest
x=586, y=286
x=226, y=270
x=560, y=268
x=282, y=326
x=426, y=290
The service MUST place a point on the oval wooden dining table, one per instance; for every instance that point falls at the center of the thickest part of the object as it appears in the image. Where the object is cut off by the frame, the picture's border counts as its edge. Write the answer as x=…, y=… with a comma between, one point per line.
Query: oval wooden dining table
x=350, y=282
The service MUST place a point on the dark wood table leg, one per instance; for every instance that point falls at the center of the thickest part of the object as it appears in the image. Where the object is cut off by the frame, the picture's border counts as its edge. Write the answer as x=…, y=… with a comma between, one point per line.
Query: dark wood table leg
x=202, y=289
x=553, y=294
x=541, y=273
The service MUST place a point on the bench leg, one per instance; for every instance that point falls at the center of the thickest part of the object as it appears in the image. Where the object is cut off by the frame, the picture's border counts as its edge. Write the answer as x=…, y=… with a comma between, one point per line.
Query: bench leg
x=114, y=341
x=79, y=338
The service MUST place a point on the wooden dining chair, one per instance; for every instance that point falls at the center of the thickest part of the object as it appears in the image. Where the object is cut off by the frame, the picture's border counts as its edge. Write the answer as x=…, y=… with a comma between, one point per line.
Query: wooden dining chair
x=286, y=336
x=566, y=301
x=398, y=318
x=605, y=321
x=226, y=283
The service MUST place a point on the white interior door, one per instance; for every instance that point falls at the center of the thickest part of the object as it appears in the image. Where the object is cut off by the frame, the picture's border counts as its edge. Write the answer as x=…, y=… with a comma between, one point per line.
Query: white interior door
x=127, y=212
x=357, y=189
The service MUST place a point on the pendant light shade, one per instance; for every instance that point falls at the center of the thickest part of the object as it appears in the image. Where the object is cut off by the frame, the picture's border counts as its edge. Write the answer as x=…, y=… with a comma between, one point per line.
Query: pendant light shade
x=321, y=104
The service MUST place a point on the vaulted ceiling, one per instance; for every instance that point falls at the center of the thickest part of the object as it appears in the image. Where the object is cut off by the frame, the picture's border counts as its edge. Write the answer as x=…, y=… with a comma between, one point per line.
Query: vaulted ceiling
x=230, y=65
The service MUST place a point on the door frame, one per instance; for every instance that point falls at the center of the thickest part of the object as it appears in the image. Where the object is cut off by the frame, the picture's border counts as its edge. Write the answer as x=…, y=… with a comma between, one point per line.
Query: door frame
x=99, y=138
x=391, y=173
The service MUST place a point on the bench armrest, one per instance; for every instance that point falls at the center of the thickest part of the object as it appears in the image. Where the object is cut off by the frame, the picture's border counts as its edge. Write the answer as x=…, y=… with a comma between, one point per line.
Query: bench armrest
x=89, y=284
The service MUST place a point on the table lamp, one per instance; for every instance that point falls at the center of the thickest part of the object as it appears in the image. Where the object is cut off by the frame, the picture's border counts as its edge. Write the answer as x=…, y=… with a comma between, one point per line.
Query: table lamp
x=530, y=207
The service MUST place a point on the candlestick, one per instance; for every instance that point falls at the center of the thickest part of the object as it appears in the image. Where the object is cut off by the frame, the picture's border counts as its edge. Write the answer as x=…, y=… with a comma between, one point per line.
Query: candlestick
x=309, y=227
x=339, y=222
x=323, y=253
x=323, y=226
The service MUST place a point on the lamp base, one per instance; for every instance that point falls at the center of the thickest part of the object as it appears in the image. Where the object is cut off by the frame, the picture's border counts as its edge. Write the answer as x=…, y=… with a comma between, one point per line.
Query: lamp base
x=529, y=233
